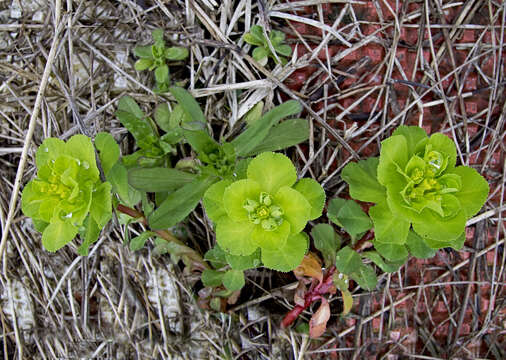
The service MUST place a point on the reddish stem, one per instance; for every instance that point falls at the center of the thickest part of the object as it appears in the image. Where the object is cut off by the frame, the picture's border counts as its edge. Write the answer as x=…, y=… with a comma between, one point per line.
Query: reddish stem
x=311, y=296
x=367, y=237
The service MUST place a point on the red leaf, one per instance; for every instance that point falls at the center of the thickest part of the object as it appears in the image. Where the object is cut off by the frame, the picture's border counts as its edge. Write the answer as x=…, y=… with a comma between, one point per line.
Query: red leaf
x=318, y=322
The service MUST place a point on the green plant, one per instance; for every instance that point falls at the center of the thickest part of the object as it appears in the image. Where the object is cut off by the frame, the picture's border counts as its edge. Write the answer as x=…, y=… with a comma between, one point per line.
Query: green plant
x=262, y=51
x=422, y=202
x=154, y=149
x=181, y=191
x=155, y=57
x=266, y=210
x=422, y=198
x=67, y=197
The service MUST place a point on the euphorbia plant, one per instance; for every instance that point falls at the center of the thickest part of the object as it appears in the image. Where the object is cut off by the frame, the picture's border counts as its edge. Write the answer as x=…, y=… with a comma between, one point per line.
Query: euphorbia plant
x=422, y=202
x=267, y=210
x=417, y=186
x=68, y=197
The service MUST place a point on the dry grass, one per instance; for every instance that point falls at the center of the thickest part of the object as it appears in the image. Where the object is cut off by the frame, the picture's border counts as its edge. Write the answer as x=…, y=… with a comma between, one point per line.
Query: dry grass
x=63, y=65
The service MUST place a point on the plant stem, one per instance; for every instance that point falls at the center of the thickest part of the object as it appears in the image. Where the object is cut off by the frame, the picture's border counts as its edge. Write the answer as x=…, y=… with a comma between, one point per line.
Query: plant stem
x=310, y=297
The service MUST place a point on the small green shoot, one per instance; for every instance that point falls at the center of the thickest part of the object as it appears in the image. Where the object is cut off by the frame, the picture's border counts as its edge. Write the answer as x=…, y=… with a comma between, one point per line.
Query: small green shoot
x=262, y=52
x=154, y=57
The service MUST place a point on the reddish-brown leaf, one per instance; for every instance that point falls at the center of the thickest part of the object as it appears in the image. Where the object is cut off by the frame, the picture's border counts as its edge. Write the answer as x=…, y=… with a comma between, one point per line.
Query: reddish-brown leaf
x=310, y=266
x=318, y=322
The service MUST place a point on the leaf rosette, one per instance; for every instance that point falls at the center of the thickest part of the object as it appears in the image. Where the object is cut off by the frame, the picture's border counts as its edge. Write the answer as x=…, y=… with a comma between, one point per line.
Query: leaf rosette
x=417, y=184
x=268, y=210
x=67, y=195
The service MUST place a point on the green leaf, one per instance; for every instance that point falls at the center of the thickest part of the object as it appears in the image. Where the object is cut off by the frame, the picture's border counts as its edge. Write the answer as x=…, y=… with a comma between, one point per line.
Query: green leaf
x=163, y=116
x=50, y=149
x=284, y=50
x=57, y=234
x=143, y=64
x=276, y=37
x=413, y=136
x=387, y=227
x=144, y=52
x=260, y=53
x=445, y=145
x=179, y=204
x=128, y=105
x=258, y=32
x=363, y=182
x=365, y=277
x=108, y=150
x=253, y=37
x=333, y=209
x=236, y=194
x=348, y=261
x=241, y=168
x=141, y=130
x=456, y=243
x=347, y=302
x=327, y=241
x=354, y=220
x=393, y=157
x=254, y=114
x=297, y=210
x=138, y=242
x=162, y=74
x=438, y=228
x=158, y=179
x=391, y=252
x=176, y=53
x=233, y=280
x=287, y=257
x=386, y=266
x=259, y=130
x=212, y=278
x=101, y=204
x=188, y=103
x=314, y=194
x=272, y=171
x=418, y=247
x=157, y=35
x=31, y=200
x=89, y=234
x=216, y=256
x=474, y=191
x=235, y=237
x=213, y=200
x=200, y=141
x=288, y=133
x=238, y=262
x=118, y=177
x=80, y=147
x=271, y=240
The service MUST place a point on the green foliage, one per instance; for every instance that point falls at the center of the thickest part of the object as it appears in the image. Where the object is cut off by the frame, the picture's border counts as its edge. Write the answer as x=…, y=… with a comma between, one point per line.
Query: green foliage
x=422, y=199
x=350, y=216
x=327, y=241
x=154, y=57
x=262, y=52
x=218, y=161
x=67, y=196
x=154, y=149
x=264, y=211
